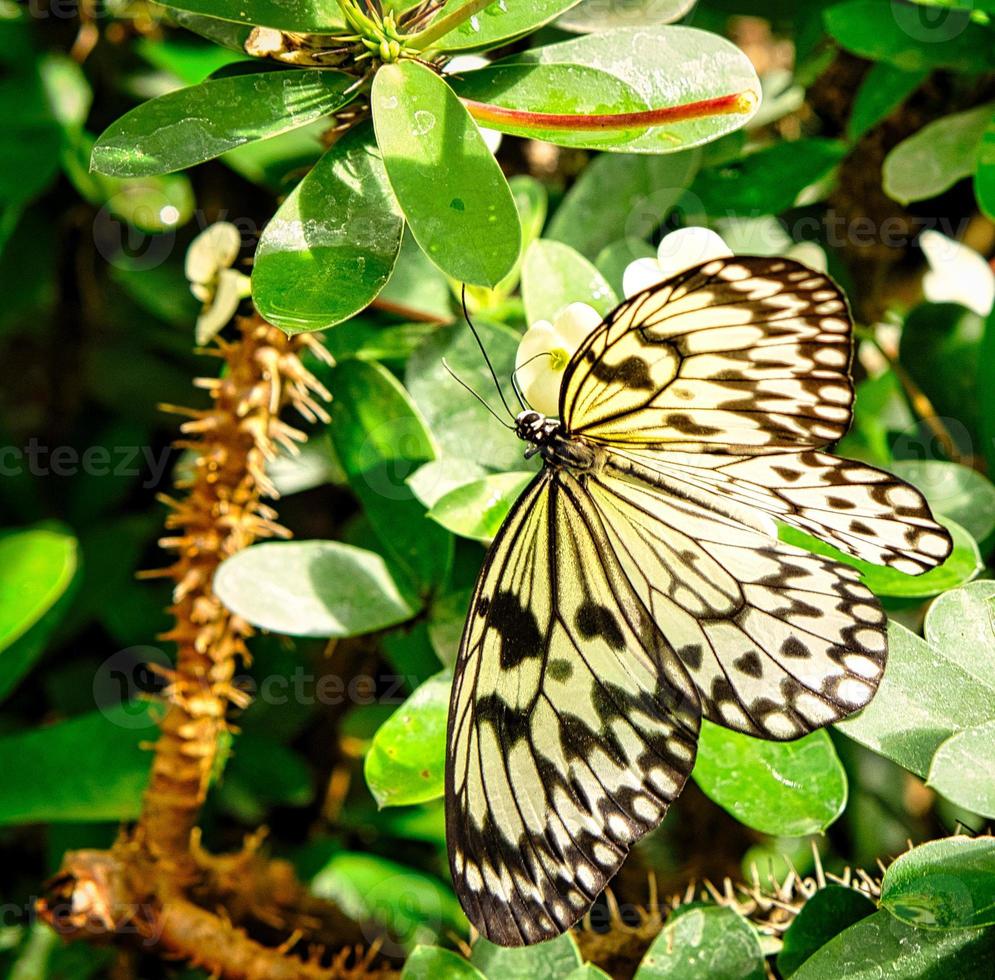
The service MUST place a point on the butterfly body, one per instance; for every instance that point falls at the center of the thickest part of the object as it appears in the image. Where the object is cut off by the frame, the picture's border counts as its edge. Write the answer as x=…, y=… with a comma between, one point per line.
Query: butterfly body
x=639, y=584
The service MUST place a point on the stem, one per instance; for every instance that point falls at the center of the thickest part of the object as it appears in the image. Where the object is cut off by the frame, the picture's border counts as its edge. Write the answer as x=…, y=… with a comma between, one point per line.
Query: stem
x=498, y=116
x=443, y=25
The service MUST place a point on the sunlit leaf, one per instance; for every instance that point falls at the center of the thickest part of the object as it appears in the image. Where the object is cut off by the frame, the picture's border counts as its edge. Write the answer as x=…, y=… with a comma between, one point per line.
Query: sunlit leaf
x=476, y=510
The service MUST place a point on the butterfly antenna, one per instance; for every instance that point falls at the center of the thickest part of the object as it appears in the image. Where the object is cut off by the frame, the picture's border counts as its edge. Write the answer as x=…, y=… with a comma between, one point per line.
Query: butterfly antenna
x=483, y=351
x=456, y=377
x=519, y=394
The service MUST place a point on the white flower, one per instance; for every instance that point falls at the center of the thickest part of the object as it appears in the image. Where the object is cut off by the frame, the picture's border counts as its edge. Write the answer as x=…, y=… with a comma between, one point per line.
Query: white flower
x=470, y=62
x=212, y=280
x=680, y=250
x=545, y=351
x=957, y=274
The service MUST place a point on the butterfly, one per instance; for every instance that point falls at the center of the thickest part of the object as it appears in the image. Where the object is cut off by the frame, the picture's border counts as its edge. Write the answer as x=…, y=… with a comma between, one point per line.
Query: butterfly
x=638, y=584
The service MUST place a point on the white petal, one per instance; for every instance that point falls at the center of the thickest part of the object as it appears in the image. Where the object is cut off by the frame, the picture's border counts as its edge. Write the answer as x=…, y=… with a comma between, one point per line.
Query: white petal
x=538, y=338
x=226, y=300
x=464, y=62
x=492, y=138
x=574, y=322
x=810, y=254
x=215, y=248
x=640, y=275
x=957, y=274
x=687, y=247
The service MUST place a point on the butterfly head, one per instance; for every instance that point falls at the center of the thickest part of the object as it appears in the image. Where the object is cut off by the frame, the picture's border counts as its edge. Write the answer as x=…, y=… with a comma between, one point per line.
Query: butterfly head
x=535, y=428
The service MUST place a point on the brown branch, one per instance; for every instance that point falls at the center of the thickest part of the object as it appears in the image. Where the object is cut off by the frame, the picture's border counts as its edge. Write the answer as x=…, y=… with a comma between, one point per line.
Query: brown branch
x=241, y=915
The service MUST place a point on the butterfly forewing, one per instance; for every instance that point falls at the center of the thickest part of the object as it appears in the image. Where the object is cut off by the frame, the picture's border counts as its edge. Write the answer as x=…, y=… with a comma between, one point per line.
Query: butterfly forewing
x=736, y=355
x=572, y=724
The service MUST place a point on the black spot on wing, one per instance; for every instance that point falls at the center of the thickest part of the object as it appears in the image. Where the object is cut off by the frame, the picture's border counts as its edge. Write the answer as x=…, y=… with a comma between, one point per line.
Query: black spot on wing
x=749, y=664
x=593, y=620
x=518, y=628
x=633, y=372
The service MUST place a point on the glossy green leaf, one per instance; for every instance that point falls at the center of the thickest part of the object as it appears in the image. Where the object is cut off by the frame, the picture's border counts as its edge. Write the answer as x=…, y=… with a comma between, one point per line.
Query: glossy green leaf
x=461, y=425
x=710, y=67
x=703, y=943
x=36, y=567
x=963, y=565
x=311, y=588
x=450, y=188
x=575, y=90
x=591, y=16
x=880, y=948
x=619, y=196
x=203, y=121
x=943, y=884
x=554, y=958
x=332, y=245
x=933, y=687
x=189, y=61
x=959, y=771
x=554, y=276
x=955, y=491
x=984, y=175
x=498, y=22
x=92, y=767
x=435, y=963
x=303, y=16
x=381, y=439
x=787, y=789
x=935, y=157
x=434, y=480
x=413, y=906
x=898, y=34
x=406, y=763
x=476, y=510
x=882, y=91
x=767, y=181
x=418, y=289
x=825, y=915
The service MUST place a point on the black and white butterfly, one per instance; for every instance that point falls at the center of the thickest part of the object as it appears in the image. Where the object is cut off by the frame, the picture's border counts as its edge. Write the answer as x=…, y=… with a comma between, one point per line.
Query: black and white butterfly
x=638, y=584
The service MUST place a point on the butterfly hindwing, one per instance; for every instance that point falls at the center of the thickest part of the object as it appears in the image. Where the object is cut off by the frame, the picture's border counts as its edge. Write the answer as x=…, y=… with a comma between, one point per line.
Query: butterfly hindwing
x=572, y=726
x=745, y=354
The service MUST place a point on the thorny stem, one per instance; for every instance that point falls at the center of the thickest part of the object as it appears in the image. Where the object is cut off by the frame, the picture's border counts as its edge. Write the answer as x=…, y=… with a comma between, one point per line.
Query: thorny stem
x=494, y=115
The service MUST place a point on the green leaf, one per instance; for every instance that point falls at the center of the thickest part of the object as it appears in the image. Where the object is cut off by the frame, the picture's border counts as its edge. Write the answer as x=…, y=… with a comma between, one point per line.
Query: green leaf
x=463, y=427
x=498, y=22
x=417, y=289
x=331, y=247
x=476, y=510
x=554, y=275
x=963, y=565
x=825, y=915
x=36, y=567
x=961, y=769
x=407, y=761
x=933, y=687
x=898, y=34
x=943, y=884
x=413, y=906
x=955, y=491
x=882, y=91
x=767, y=181
x=709, y=67
x=880, y=947
x=787, y=789
x=984, y=175
x=260, y=774
x=198, y=123
x=302, y=16
x=451, y=189
x=621, y=196
x=573, y=90
x=703, y=943
x=940, y=348
x=381, y=439
x=934, y=158
x=311, y=588
x=152, y=204
x=614, y=259
x=435, y=963
x=592, y=16
x=554, y=958
x=90, y=768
